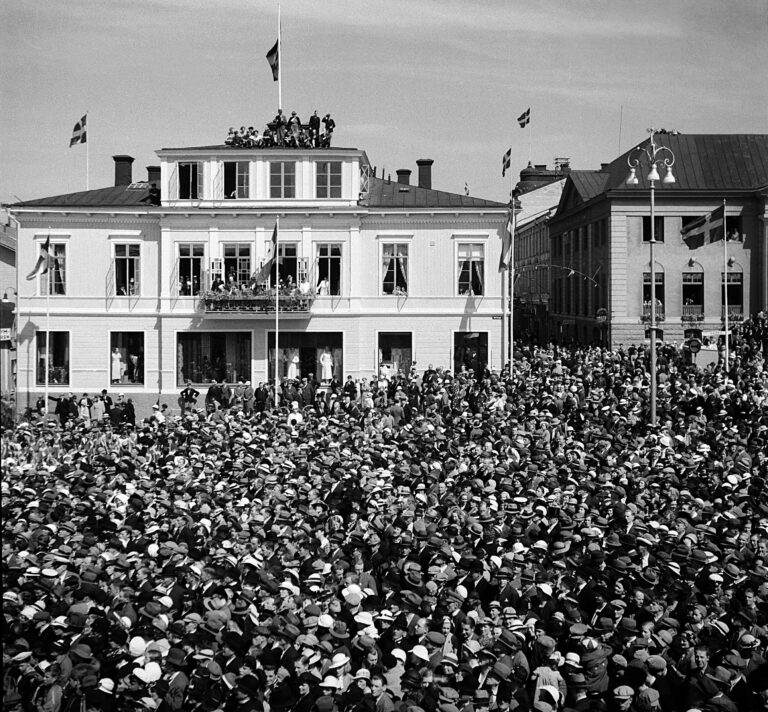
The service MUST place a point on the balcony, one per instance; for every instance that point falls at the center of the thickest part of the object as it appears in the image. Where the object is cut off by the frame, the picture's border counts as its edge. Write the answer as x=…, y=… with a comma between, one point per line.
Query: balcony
x=288, y=304
x=646, y=317
x=692, y=312
x=735, y=312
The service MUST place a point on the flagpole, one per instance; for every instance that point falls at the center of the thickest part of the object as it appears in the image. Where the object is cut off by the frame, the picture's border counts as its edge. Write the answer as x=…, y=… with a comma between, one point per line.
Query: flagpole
x=725, y=291
x=277, y=311
x=280, y=61
x=87, y=153
x=511, y=280
x=47, y=331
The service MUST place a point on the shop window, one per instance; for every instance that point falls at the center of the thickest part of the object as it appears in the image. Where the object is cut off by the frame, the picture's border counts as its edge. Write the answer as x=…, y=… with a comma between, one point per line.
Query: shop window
x=471, y=270
x=127, y=269
x=282, y=179
x=328, y=270
x=126, y=365
x=470, y=351
x=395, y=353
x=203, y=357
x=57, y=359
x=395, y=269
x=191, y=257
x=307, y=354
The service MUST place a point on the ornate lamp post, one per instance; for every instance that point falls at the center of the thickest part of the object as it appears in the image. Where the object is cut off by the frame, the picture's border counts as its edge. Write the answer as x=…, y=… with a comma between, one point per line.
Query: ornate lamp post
x=658, y=156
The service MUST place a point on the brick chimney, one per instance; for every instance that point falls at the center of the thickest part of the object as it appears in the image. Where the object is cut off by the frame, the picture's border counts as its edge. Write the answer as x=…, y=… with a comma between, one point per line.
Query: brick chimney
x=153, y=174
x=123, y=170
x=404, y=176
x=425, y=172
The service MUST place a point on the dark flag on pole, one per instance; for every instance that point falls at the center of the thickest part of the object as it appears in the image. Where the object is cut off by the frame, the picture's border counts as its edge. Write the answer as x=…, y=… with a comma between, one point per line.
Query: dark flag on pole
x=506, y=162
x=273, y=57
x=79, y=133
x=525, y=118
x=266, y=268
x=44, y=262
x=508, y=241
x=705, y=230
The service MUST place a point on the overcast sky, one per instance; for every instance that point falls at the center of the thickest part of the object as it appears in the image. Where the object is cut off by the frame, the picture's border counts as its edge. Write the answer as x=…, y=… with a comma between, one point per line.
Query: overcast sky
x=404, y=79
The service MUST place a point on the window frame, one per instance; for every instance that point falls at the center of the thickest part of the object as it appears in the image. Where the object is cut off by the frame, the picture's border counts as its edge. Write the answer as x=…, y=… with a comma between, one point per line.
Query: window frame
x=472, y=244
x=645, y=230
x=182, y=258
x=395, y=243
x=242, y=274
x=199, y=183
x=660, y=281
x=241, y=186
x=128, y=384
x=686, y=279
x=281, y=188
x=329, y=187
x=319, y=246
x=44, y=281
x=127, y=259
x=180, y=383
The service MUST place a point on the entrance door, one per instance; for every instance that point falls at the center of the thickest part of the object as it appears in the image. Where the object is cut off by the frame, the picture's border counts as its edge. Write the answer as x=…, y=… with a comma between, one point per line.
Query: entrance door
x=395, y=352
x=470, y=351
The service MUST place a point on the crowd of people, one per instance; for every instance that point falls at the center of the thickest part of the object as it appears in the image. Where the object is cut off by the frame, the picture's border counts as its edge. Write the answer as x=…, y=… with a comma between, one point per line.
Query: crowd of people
x=285, y=131
x=437, y=542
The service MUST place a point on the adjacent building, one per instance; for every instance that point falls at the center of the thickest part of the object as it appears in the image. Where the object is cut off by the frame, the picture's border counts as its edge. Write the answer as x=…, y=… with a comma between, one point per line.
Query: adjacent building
x=602, y=229
x=163, y=280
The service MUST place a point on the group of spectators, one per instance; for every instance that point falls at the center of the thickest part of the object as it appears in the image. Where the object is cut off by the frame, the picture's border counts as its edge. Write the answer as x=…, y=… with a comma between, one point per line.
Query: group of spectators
x=440, y=542
x=286, y=131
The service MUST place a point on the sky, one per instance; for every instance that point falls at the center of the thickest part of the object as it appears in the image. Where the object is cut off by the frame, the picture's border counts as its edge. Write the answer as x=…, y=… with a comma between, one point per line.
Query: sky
x=403, y=79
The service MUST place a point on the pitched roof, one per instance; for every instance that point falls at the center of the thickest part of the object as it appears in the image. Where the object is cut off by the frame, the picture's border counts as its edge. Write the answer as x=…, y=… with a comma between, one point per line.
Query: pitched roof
x=134, y=195
x=588, y=184
x=388, y=194
x=702, y=162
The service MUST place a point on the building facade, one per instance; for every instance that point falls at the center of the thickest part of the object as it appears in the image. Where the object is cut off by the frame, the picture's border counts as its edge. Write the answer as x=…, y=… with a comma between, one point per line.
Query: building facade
x=160, y=281
x=602, y=228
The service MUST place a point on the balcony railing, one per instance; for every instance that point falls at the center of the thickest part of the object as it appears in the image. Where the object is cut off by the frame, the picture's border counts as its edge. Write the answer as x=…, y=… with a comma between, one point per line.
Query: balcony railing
x=266, y=303
x=692, y=312
x=735, y=312
x=647, y=312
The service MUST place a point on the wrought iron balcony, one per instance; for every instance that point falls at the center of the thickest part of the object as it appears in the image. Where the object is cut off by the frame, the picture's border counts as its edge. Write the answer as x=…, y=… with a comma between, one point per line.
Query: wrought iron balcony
x=265, y=303
x=647, y=312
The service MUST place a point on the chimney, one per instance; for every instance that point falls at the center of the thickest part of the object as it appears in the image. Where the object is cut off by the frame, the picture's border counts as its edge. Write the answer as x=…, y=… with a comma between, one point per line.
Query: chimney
x=404, y=176
x=425, y=172
x=123, y=170
x=153, y=174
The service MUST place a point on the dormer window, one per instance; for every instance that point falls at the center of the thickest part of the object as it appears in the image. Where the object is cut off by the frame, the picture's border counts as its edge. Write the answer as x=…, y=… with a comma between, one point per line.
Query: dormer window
x=190, y=181
x=328, y=179
x=282, y=179
x=236, y=179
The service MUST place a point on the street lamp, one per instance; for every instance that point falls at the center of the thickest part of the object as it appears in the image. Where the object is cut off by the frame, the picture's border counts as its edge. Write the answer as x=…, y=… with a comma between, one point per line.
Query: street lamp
x=658, y=156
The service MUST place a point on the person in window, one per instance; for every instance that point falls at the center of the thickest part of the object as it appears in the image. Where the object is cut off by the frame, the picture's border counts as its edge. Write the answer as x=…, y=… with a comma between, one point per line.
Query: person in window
x=118, y=366
x=323, y=288
x=734, y=235
x=217, y=285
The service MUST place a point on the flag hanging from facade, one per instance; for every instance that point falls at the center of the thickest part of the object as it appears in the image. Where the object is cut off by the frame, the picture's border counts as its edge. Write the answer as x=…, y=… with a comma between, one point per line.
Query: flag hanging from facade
x=506, y=162
x=79, y=133
x=705, y=230
x=507, y=241
x=266, y=268
x=44, y=262
x=525, y=118
x=273, y=57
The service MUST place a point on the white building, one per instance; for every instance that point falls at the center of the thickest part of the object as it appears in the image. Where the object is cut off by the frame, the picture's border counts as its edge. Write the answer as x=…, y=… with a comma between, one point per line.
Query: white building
x=389, y=273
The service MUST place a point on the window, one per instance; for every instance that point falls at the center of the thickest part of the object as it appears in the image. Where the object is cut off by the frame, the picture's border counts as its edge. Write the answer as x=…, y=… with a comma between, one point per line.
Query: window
x=659, y=228
x=190, y=181
x=659, y=288
x=395, y=353
x=734, y=228
x=328, y=270
x=282, y=179
x=127, y=263
x=236, y=179
x=301, y=354
x=735, y=287
x=693, y=293
x=328, y=179
x=395, y=269
x=470, y=351
x=214, y=355
x=57, y=359
x=471, y=269
x=237, y=264
x=190, y=268
x=55, y=281
x=288, y=265
x=126, y=357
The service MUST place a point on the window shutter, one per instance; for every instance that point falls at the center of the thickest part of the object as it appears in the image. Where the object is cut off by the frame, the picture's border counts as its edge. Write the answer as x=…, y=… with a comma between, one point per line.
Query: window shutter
x=173, y=183
x=217, y=269
x=110, y=283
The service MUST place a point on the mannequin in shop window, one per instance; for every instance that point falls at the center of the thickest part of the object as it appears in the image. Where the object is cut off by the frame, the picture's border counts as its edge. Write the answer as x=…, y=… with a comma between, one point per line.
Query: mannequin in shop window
x=326, y=365
x=292, y=368
x=118, y=365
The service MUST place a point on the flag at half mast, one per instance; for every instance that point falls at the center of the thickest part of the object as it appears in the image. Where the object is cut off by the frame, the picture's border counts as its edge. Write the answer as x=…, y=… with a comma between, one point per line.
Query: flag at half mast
x=273, y=57
x=79, y=133
x=266, y=268
x=705, y=230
